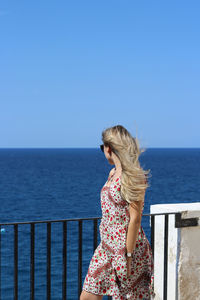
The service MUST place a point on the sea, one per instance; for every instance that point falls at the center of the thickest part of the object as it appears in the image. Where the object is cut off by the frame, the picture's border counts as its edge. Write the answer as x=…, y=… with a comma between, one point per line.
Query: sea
x=63, y=183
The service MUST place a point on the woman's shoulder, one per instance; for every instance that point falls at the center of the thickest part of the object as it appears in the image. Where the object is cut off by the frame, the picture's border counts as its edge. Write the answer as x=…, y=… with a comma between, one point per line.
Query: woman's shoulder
x=111, y=172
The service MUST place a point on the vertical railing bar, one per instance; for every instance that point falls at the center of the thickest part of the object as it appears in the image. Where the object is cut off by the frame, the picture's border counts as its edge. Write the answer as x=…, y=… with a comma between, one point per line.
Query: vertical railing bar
x=32, y=262
x=0, y=262
x=95, y=234
x=64, y=275
x=80, y=259
x=165, y=258
x=152, y=233
x=15, y=261
x=48, y=261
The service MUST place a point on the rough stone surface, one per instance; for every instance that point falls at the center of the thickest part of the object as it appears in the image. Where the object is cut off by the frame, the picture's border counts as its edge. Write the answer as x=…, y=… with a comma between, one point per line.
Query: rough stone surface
x=189, y=264
x=183, y=253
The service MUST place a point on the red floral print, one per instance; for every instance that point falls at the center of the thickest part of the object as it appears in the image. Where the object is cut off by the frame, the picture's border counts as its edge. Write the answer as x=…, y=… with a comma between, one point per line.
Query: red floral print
x=107, y=271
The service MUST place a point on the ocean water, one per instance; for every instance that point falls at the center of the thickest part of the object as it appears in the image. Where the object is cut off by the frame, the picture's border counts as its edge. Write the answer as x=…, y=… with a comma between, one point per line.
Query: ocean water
x=49, y=184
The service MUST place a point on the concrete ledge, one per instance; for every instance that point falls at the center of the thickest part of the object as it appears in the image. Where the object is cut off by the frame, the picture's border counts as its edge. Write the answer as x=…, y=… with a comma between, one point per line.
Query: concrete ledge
x=183, y=269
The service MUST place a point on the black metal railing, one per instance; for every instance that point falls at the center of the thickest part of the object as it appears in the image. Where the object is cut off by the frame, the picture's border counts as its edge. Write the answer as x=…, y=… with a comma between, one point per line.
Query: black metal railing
x=64, y=223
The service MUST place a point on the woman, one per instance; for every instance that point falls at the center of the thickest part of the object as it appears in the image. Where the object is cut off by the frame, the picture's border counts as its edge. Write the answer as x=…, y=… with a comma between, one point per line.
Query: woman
x=122, y=264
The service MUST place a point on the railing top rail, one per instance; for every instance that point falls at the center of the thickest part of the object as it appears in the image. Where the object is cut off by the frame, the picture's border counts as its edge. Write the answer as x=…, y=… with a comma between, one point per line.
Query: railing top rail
x=78, y=219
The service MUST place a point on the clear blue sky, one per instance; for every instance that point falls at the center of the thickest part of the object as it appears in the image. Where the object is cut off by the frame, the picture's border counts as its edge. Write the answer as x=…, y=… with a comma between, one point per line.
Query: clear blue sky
x=69, y=69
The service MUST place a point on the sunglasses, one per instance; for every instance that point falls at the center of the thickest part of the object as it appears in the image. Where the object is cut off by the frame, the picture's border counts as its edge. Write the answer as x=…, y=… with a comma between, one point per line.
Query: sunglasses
x=102, y=147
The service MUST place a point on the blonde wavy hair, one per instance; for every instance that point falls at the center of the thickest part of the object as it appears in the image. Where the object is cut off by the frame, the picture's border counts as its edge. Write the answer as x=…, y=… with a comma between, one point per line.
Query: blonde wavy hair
x=134, y=180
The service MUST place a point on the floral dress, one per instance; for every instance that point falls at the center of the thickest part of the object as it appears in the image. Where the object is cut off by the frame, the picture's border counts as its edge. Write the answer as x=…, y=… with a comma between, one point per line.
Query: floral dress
x=107, y=272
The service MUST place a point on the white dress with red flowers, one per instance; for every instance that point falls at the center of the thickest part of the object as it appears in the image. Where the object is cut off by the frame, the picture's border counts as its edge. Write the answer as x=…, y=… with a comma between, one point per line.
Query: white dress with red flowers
x=107, y=272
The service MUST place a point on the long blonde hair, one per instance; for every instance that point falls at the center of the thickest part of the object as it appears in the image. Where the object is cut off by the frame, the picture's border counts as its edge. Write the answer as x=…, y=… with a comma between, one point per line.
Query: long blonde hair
x=134, y=180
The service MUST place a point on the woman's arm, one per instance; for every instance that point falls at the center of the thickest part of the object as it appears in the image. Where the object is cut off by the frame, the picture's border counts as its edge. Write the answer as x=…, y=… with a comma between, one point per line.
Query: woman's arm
x=135, y=210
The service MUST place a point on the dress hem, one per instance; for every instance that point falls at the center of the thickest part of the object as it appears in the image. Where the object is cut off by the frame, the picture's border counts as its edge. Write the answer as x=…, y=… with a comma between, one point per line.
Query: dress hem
x=93, y=286
x=152, y=293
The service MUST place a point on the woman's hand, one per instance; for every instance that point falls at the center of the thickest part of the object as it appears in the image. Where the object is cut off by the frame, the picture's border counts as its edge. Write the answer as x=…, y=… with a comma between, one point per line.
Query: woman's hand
x=129, y=260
